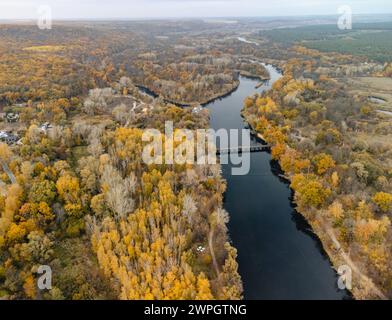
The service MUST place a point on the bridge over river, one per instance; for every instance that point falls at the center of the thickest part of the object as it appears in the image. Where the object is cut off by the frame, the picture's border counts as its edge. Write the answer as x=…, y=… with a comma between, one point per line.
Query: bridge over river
x=242, y=149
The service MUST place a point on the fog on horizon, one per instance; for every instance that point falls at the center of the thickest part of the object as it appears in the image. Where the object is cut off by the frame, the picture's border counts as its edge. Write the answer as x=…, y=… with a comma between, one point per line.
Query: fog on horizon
x=100, y=9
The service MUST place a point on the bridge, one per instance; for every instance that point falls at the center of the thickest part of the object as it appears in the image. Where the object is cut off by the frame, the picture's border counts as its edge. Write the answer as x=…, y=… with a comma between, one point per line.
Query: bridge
x=242, y=149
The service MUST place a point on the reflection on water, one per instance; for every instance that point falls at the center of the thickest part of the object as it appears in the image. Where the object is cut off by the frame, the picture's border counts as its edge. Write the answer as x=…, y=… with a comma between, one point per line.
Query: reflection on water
x=279, y=256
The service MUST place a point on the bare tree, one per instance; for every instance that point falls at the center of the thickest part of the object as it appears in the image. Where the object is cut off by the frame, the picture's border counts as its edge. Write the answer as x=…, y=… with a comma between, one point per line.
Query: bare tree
x=95, y=148
x=123, y=115
x=55, y=133
x=97, y=100
x=189, y=208
x=125, y=82
x=81, y=129
x=118, y=192
x=33, y=134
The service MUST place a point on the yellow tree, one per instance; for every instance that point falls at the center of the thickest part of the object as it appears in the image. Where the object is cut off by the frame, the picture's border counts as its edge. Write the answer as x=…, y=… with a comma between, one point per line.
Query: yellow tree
x=371, y=230
x=335, y=210
x=278, y=150
x=323, y=163
x=11, y=206
x=309, y=190
x=29, y=287
x=335, y=179
x=383, y=201
x=203, y=288
x=5, y=152
x=5, y=157
x=68, y=189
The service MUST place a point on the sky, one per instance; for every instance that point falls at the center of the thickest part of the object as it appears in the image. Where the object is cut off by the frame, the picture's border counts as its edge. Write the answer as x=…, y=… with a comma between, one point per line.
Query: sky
x=105, y=9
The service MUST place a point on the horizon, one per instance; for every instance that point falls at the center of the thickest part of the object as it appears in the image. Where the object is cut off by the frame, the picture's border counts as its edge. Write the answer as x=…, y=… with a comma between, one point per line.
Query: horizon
x=181, y=9
x=228, y=18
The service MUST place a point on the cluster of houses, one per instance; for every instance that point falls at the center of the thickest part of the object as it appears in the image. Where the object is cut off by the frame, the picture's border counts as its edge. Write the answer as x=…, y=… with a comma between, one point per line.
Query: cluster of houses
x=9, y=137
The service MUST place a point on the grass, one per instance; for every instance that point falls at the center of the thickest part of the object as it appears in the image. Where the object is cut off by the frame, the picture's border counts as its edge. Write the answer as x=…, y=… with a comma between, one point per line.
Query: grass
x=44, y=48
x=379, y=87
x=77, y=273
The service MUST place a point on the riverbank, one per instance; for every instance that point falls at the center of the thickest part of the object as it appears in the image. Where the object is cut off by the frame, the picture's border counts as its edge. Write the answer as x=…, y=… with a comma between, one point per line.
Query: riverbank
x=179, y=103
x=362, y=286
x=279, y=257
x=261, y=79
x=250, y=75
x=218, y=96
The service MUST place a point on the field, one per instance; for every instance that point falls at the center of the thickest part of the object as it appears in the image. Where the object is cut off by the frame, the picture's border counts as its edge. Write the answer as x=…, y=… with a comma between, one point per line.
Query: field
x=372, y=87
x=44, y=48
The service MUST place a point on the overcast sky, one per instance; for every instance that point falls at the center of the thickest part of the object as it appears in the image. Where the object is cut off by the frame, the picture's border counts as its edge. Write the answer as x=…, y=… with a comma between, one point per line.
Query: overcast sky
x=73, y=9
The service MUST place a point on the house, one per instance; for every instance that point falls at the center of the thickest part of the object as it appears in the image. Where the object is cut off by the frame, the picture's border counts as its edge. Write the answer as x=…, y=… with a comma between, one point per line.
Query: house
x=45, y=127
x=12, y=139
x=12, y=117
x=3, y=135
x=9, y=137
x=197, y=109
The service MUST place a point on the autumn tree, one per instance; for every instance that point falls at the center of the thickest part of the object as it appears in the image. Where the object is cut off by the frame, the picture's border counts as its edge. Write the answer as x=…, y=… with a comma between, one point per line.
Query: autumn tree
x=309, y=190
x=323, y=162
x=383, y=201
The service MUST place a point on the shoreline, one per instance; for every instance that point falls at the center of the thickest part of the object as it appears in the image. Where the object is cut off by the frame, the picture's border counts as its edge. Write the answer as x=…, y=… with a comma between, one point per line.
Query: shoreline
x=249, y=75
x=212, y=99
x=287, y=180
x=182, y=104
x=310, y=229
x=330, y=245
x=319, y=231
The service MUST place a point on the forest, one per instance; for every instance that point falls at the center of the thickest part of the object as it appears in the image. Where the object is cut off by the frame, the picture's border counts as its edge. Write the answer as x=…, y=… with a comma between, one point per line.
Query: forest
x=75, y=193
x=338, y=162
x=370, y=40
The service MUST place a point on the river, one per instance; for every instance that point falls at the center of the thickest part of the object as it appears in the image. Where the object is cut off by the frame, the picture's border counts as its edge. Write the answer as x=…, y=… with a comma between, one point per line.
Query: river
x=279, y=257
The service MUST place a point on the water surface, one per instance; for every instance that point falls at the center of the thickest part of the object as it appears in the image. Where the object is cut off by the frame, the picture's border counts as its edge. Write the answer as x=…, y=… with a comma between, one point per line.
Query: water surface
x=278, y=255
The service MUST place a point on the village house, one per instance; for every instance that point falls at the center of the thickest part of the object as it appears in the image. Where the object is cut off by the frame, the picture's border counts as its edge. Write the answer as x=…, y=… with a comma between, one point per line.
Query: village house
x=9, y=137
x=12, y=117
x=45, y=127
